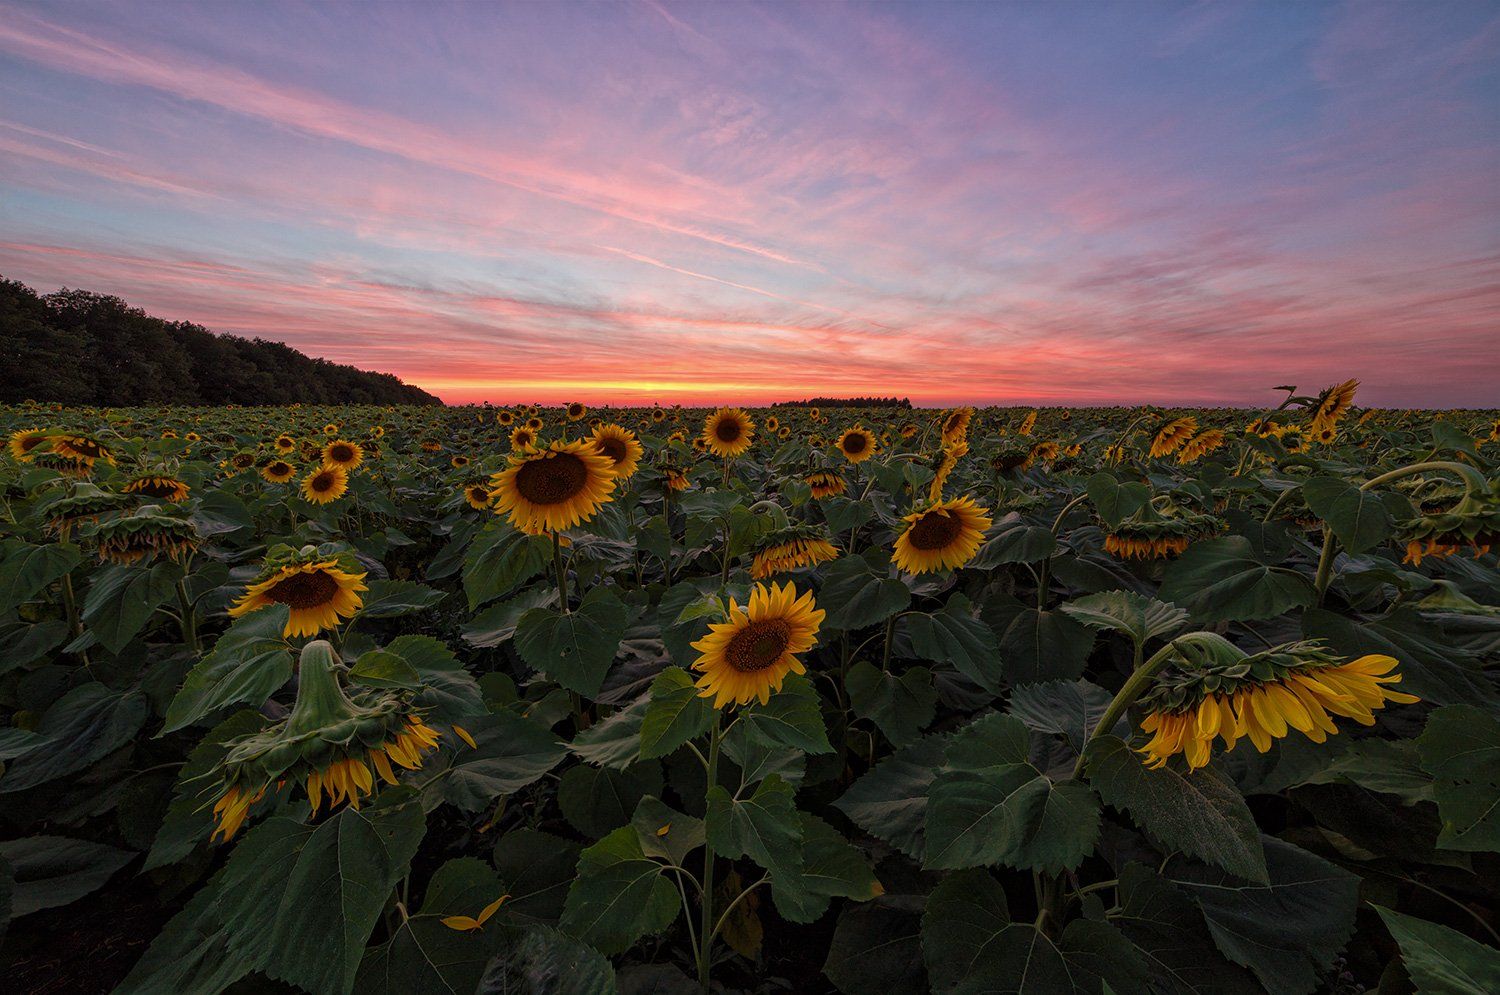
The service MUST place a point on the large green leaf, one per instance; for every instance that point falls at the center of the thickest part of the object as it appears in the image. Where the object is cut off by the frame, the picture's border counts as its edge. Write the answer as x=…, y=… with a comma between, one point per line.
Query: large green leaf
x=512, y=753
x=394, y=598
x=1071, y=709
x=877, y=947
x=955, y=636
x=963, y=920
x=1431, y=666
x=1169, y=934
x=1460, y=748
x=620, y=894
x=828, y=867
x=497, y=623
x=990, y=806
x=791, y=717
x=26, y=569
x=1222, y=580
x=1442, y=961
x=121, y=600
x=80, y=728
x=1115, y=501
x=424, y=954
x=447, y=691
x=890, y=801
x=574, y=648
x=546, y=962
x=764, y=826
x=1013, y=541
x=1036, y=644
x=1139, y=617
x=1200, y=813
x=1358, y=518
x=598, y=800
x=615, y=742
x=189, y=822
x=1286, y=931
x=500, y=559
x=51, y=871
x=247, y=664
x=901, y=706
x=855, y=596
x=675, y=715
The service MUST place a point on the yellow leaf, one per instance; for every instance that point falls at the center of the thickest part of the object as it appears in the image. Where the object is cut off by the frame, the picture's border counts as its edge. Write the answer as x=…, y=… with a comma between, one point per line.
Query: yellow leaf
x=463, y=734
x=664, y=830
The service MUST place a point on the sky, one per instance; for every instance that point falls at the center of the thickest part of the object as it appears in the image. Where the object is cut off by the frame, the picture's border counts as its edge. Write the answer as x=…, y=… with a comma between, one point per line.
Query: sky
x=652, y=202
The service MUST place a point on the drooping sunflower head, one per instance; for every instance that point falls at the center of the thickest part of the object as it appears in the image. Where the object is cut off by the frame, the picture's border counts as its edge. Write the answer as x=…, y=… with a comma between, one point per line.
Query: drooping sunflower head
x=278, y=471
x=728, y=432
x=947, y=459
x=955, y=426
x=80, y=504
x=319, y=586
x=674, y=479
x=1211, y=689
x=747, y=657
x=826, y=485
x=325, y=485
x=791, y=548
x=1011, y=461
x=554, y=488
x=1171, y=435
x=1473, y=524
x=1027, y=424
x=1200, y=445
x=621, y=446
x=145, y=533
x=343, y=454
x=942, y=536
x=1158, y=533
x=857, y=444
x=159, y=487
x=28, y=443
x=339, y=744
x=1333, y=404
x=84, y=448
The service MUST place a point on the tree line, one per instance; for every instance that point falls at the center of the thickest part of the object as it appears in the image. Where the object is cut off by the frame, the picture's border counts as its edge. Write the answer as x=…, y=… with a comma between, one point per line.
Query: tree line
x=846, y=402
x=83, y=348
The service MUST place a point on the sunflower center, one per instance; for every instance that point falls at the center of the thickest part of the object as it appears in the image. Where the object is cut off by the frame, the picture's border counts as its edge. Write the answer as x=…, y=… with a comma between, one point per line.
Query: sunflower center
x=758, y=645
x=935, y=530
x=552, y=480
x=613, y=448
x=341, y=454
x=727, y=430
x=854, y=443
x=323, y=482
x=279, y=469
x=304, y=590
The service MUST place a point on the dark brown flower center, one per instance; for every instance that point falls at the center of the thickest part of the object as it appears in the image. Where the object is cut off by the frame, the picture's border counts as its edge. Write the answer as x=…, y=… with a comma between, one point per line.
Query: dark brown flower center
x=935, y=530
x=552, y=480
x=728, y=430
x=855, y=442
x=324, y=481
x=279, y=469
x=340, y=453
x=613, y=448
x=304, y=590
x=758, y=645
x=242, y=460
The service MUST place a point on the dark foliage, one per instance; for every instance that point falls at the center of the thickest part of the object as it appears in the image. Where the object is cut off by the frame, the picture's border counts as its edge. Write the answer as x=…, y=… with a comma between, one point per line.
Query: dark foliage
x=84, y=348
x=846, y=402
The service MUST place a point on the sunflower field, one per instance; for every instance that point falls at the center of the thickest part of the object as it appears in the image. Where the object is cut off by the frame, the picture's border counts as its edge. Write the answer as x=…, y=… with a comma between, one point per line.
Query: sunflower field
x=527, y=699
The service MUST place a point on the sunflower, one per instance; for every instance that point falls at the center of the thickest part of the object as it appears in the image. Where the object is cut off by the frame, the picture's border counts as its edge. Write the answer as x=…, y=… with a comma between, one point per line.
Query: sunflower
x=1333, y=404
x=477, y=495
x=522, y=439
x=675, y=479
x=1201, y=445
x=330, y=429
x=534, y=423
x=749, y=656
x=26, y=444
x=857, y=444
x=728, y=432
x=1172, y=436
x=784, y=432
x=948, y=459
x=146, y=533
x=162, y=488
x=554, y=488
x=791, y=549
x=1298, y=687
x=1473, y=523
x=278, y=471
x=458, y=462
x=343, y=454
x=576, y=411
x=1027, y=424
x=955, y=426
x=81, y=448
x=658, y=415
x=943, y=536
x=325, y=485
x=773, y=423
x=504, y=418
x=622, y=448
x=826, y=485
x=285, y=443
x=317, y=591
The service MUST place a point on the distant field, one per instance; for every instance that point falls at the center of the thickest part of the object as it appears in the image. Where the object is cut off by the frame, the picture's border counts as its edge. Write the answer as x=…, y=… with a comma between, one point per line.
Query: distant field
x=783, y=699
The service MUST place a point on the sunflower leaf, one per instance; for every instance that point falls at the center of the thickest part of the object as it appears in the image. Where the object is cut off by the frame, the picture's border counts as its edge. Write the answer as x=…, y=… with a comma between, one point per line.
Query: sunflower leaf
x=676, y=714
x=620, y=894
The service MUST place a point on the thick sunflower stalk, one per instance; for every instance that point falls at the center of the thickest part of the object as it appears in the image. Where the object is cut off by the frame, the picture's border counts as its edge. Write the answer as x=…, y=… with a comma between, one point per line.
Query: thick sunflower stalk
x=333, y=746
x=1210, y=689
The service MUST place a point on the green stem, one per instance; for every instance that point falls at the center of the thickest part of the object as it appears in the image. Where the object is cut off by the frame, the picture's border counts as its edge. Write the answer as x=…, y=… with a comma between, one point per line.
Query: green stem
x=706, y=930
x=1128, y=693
x=1471, y=478
x=560, y=571
x=189, y=619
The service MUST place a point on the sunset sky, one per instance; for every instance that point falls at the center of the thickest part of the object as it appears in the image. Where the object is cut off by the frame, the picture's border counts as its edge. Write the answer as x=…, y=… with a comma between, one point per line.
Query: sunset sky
x=655, y=202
